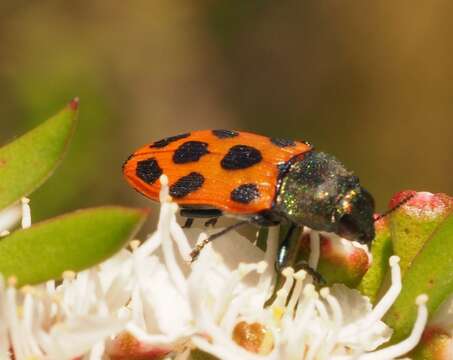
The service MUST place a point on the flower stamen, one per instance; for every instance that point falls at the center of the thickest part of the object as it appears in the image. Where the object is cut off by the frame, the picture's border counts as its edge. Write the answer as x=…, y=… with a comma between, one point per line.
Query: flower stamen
x=315, y=249
x=411, y=341
x=26, y=213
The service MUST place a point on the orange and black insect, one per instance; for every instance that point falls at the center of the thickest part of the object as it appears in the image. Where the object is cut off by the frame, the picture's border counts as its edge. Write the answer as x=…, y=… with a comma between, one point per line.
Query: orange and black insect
x=260, y=180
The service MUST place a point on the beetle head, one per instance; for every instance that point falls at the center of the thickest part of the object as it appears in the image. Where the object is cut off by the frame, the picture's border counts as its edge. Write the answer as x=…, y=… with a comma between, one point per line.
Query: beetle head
x=355, y=216
x=317, y=191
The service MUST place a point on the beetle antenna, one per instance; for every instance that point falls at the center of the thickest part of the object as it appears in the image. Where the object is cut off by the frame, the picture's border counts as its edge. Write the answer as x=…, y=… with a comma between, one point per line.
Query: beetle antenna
x=396, y=207
x=197, y=249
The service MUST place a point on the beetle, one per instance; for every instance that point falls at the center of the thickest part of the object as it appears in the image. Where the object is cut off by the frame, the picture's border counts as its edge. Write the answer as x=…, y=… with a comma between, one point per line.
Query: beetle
x=257, y=179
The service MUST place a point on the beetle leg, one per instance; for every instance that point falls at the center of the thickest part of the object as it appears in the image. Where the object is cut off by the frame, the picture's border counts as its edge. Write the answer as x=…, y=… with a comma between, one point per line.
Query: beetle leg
x=317, y=277
x=287, y=249
x=286, y=256
x=188, y=223
x=192, y=214
x=211, y=222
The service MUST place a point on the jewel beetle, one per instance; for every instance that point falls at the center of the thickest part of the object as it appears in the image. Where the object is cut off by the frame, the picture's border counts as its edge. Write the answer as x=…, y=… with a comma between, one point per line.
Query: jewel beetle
x=257, y=179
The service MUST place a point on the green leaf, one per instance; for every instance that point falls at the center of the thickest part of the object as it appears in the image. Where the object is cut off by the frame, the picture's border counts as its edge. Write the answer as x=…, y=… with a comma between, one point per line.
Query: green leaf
x=74, y=241
x=28, y=161
x=381, y=251
x=409, y=233
x=431, y=272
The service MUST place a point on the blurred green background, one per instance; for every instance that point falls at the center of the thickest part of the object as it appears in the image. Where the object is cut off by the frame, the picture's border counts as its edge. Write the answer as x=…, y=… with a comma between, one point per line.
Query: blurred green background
x=371, y=82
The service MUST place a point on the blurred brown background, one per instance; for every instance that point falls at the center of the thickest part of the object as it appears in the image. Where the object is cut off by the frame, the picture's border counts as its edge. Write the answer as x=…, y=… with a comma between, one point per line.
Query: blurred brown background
x=371, y=82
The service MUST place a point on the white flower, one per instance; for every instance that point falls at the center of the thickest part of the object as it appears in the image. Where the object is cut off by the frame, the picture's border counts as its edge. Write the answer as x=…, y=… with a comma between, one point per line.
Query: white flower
x=37, y=323
x=49, y=322
x=150, y=300
x=206, y=302
x=12, y=215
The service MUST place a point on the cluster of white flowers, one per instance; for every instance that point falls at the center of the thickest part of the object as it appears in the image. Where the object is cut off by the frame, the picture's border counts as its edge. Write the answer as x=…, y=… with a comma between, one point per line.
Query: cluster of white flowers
x=150, y=301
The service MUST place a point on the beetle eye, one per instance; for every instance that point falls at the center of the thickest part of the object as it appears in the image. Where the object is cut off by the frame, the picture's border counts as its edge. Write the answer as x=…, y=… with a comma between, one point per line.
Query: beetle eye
x=348, y=228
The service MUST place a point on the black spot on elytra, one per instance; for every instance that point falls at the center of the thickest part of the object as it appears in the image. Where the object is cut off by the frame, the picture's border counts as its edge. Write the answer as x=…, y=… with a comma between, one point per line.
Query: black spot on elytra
x=190, y=151
x=245, y=193
x=186, y=185
x=241, y=157
x=148, y=170
x=282, y=142
x=164, y=142
x=225, y=134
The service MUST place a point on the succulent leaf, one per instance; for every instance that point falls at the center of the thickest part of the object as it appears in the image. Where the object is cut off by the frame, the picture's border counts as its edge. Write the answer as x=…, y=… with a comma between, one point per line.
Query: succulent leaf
x=29, y=160
x=430, y=272
x=381, y=251
x=72, y=242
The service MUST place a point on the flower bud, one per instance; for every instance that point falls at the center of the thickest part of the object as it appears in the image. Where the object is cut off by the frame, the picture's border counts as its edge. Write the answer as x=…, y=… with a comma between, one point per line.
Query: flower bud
x=436, y=344
x=414, y=222
x=340, y=261
x=127, y=347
